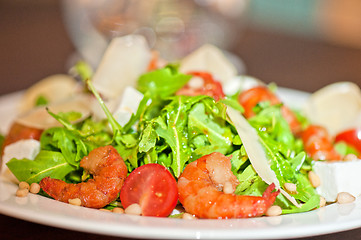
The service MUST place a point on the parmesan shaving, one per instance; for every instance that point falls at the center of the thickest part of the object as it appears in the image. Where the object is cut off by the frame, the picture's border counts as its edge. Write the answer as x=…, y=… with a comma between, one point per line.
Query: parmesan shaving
x=210, y=59
x=39, y=118
x=255, y=151
x=336, y=107
x=125, y=59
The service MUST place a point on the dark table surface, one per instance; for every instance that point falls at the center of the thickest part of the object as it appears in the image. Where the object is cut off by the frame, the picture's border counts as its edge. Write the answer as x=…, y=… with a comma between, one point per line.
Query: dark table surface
x=34, y=44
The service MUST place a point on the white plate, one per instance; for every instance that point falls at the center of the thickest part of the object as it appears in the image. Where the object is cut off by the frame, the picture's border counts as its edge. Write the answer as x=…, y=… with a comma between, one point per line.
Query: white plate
x=38, y=209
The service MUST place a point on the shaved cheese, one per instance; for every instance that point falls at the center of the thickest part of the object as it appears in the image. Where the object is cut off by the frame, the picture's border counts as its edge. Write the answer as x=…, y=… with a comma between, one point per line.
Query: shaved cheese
x=41, y=119
x=125, y=59
x=210, y=59
x=255, y=151
x=336, y=107
x=53, y=88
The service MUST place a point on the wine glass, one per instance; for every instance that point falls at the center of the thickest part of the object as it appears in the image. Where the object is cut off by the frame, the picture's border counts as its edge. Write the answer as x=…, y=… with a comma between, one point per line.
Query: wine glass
x=172, y=27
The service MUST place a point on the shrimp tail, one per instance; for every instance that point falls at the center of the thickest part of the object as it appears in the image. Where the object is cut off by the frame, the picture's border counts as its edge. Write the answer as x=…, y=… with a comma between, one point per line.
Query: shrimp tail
x=254, y=206
x=270, y=195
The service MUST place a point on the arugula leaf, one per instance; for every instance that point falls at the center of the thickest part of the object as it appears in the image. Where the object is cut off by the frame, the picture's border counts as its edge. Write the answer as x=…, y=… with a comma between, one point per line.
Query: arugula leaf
x=255, y=186
x=312, y=203
x=246, y=179
x=239, y=160
x=148, y=139
x=162, y=82
x=46, y=163
x=129, y=155
x=71, y=144
x=171, y=129
x=217, y=137
x=298, y=161
x=232, y=102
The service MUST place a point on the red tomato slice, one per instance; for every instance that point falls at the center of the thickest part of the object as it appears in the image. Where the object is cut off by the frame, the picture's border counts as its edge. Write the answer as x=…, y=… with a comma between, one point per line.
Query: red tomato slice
x=351, y=137
x=210, y=87
x=153, y=187
x=318, y=143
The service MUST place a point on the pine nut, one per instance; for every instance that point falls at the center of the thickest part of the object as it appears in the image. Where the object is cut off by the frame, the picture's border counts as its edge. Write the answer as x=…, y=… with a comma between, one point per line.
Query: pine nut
x=314, y=179
x=75, y=201
x=23, y=185
x=188, y=216
x=322, y=202
x=104, y=210
x=274, y=211
x=133, y=209
x=228, y=188
x=344, y=197
x=22, y=192
x=118, y=210
x=290, y=187
x=34, y=188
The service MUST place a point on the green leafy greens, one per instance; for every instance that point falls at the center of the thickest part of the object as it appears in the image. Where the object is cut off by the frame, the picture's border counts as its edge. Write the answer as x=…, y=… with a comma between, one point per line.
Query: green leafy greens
x=173, y=131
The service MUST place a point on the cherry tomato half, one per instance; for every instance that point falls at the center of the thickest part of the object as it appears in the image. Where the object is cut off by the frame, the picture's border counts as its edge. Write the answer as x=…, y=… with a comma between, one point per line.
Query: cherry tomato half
x=153, y=187
x=210, y=87
x=319, y=144
x=351, y=137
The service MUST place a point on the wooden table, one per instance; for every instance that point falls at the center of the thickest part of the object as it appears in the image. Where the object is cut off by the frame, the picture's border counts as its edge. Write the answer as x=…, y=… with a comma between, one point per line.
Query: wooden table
x=34, y=44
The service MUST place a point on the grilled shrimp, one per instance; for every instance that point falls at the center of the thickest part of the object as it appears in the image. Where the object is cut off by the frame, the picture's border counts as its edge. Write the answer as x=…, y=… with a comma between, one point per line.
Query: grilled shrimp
x=318, y=143
x=206, y=189
x=251, y=97
x=108, y=170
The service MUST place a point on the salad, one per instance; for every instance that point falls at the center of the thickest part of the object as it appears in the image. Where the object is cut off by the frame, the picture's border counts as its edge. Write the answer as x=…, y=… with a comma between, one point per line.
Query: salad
x=183, y=140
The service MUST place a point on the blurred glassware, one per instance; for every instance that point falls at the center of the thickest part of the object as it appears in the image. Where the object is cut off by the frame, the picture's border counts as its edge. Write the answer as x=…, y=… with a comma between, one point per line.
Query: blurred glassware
x=173, y=27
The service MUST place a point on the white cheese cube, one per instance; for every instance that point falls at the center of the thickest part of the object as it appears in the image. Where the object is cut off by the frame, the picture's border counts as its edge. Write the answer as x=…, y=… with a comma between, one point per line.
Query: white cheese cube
x=338, y=177
x=128, y=105
x=27, y=148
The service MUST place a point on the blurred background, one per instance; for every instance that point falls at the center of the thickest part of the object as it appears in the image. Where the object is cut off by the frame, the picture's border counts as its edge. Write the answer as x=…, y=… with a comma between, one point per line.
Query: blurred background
x=298, y=44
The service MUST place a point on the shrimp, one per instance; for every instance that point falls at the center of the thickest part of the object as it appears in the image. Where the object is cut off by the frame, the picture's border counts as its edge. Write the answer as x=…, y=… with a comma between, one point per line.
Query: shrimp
x=200, y=191
x=108, y=170
x=251, y=97
x=318, y=143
